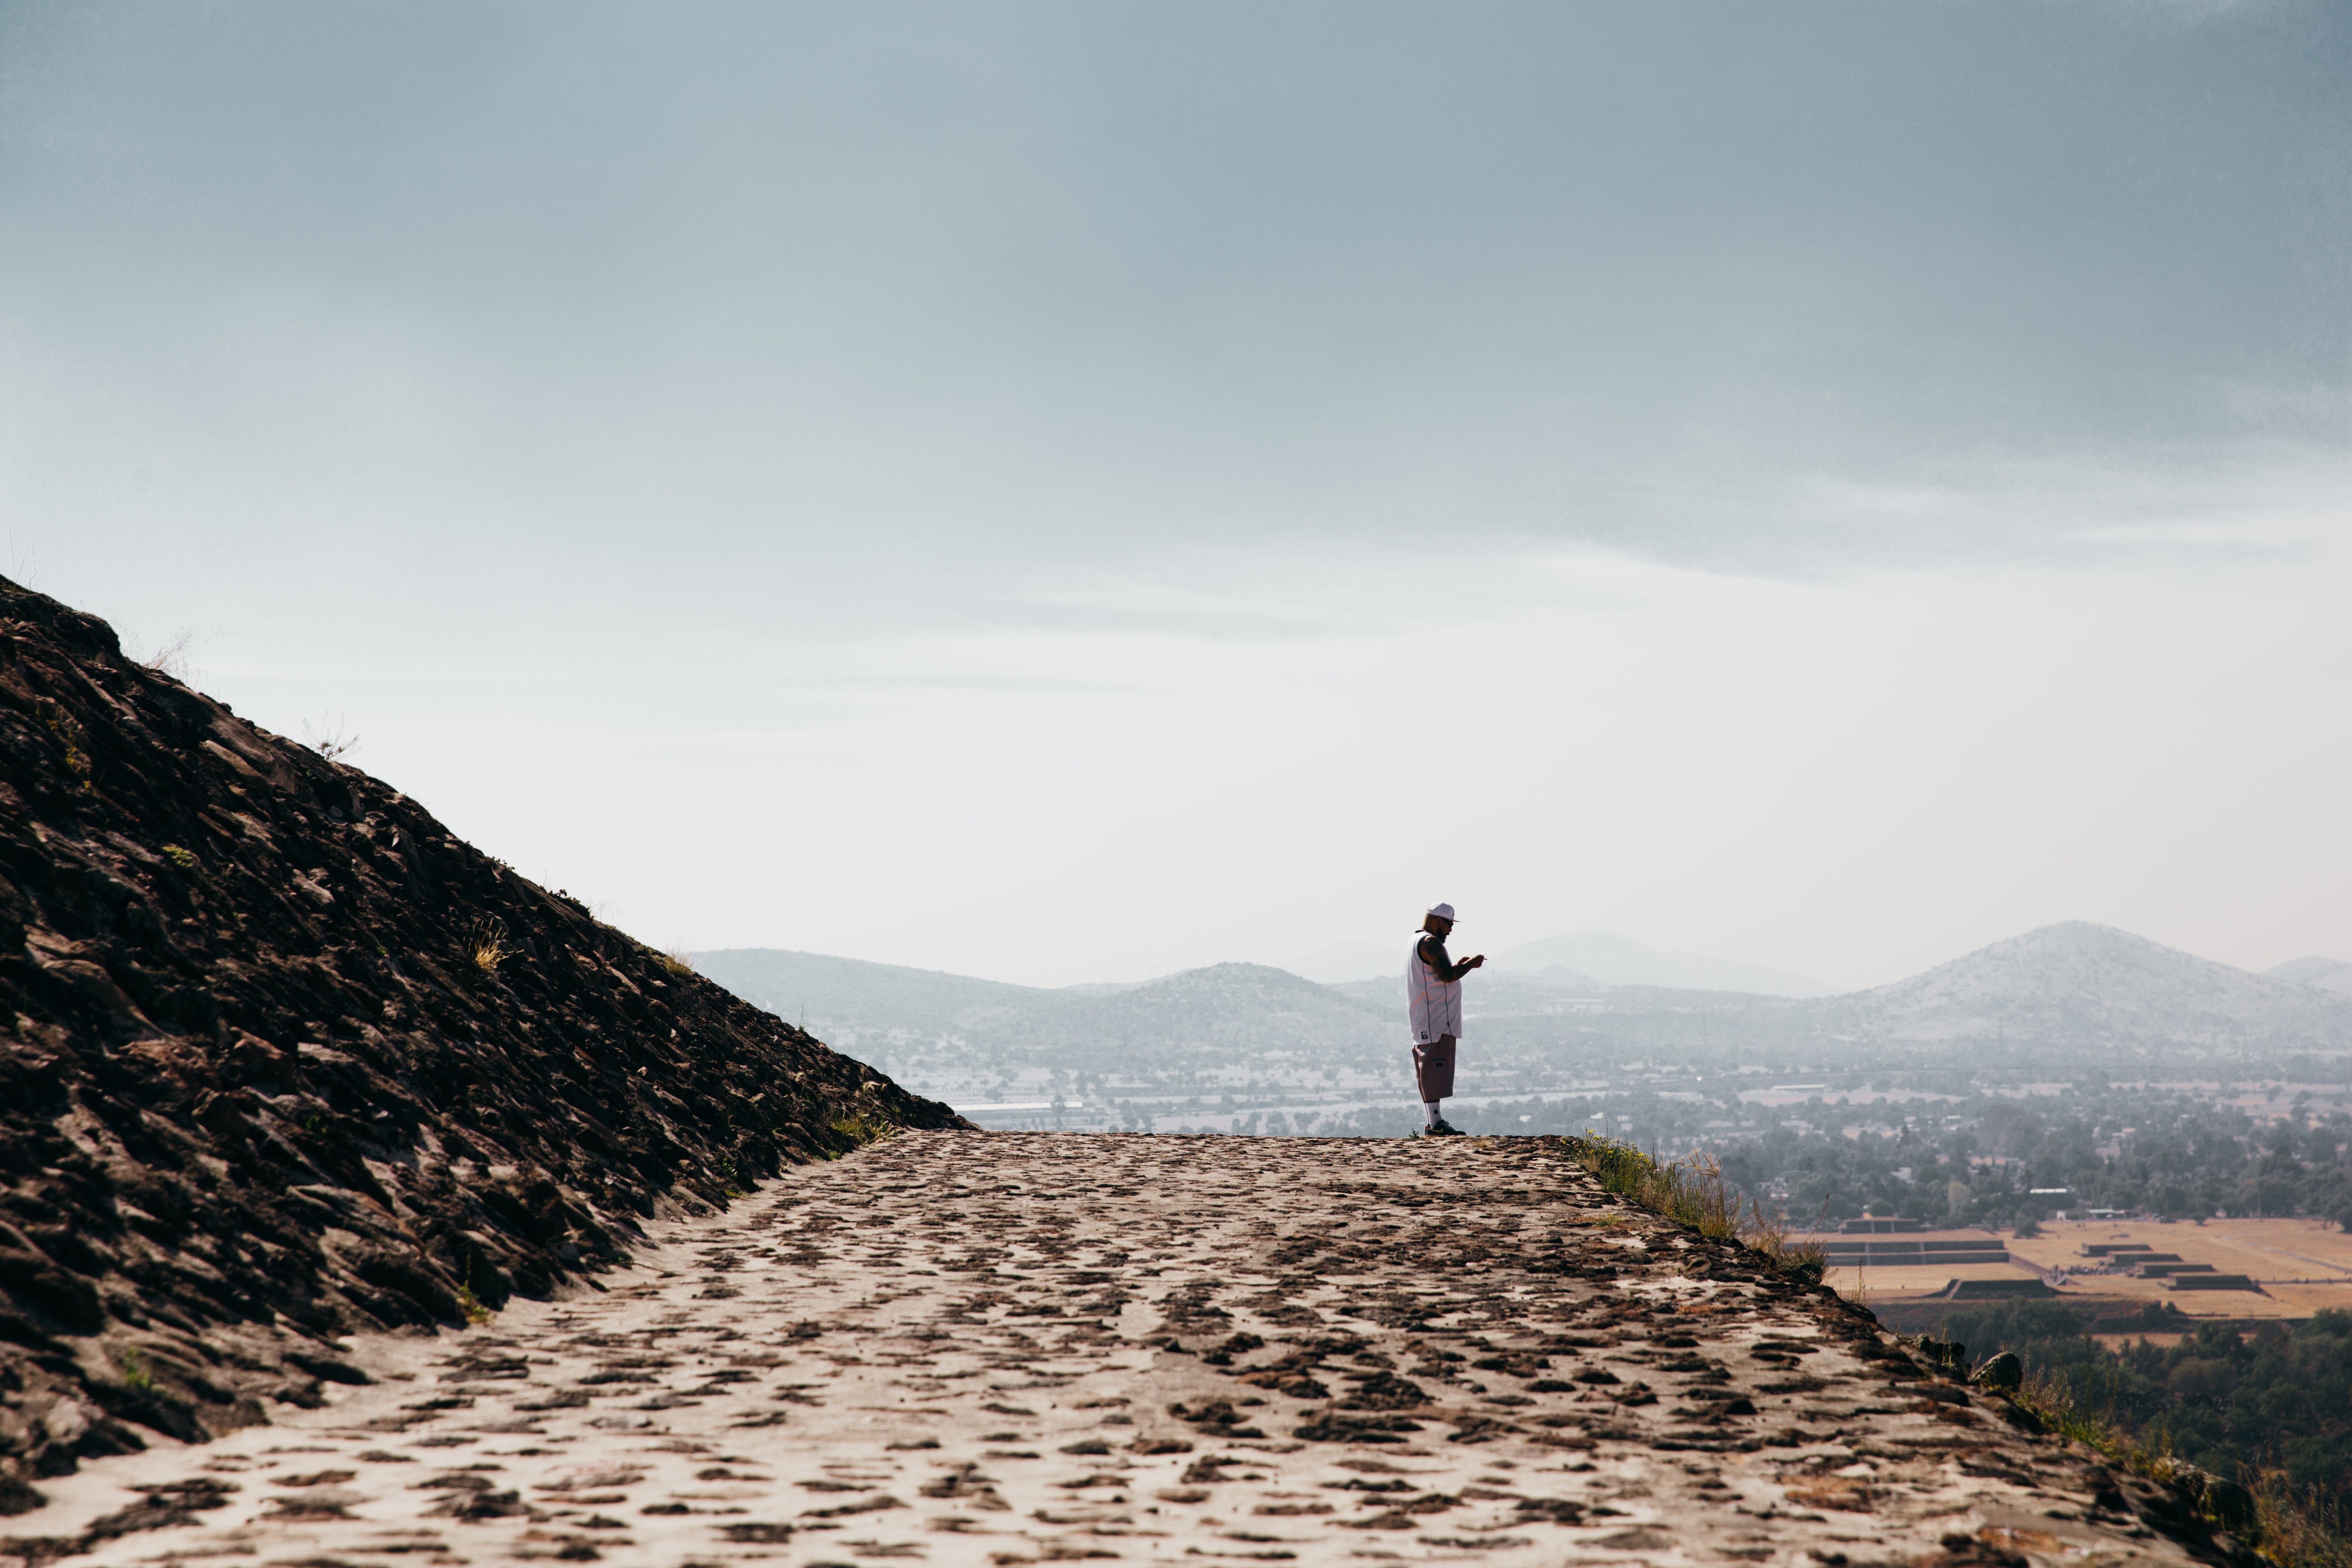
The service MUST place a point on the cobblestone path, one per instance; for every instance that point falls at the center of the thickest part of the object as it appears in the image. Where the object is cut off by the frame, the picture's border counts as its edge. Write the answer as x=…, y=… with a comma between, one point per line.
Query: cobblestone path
x=1008, y=1349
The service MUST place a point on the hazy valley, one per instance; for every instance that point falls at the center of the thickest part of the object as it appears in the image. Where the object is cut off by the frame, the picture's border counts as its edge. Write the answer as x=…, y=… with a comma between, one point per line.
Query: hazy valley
x=2120, y=1055
x=1207, y=1049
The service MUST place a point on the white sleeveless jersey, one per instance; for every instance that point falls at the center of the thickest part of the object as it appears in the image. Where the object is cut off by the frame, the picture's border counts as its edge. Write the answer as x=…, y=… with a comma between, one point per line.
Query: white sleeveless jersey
x=1436, y=1004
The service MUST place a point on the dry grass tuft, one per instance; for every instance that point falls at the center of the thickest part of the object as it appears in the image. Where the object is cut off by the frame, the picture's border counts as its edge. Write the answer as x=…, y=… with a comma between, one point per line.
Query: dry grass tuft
x=1693, y=1192
x=330, y=738
x=2066, y=1412
x=863, y=1129
x=486, y=945
x=171, y=658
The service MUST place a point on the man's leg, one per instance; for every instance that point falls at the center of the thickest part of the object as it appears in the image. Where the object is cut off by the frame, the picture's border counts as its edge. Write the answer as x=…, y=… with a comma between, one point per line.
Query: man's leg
x=1433, y=1071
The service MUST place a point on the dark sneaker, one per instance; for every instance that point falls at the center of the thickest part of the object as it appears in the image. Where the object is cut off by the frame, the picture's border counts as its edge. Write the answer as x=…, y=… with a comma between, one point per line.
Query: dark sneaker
x=1441, y=1129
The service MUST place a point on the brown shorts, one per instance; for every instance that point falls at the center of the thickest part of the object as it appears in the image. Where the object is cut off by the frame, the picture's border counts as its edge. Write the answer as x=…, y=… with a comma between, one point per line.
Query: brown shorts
x=1432, y=1067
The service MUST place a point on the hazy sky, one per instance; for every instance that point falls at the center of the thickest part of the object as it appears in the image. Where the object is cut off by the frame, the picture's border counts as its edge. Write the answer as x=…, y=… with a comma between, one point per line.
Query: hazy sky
x=1073, y=491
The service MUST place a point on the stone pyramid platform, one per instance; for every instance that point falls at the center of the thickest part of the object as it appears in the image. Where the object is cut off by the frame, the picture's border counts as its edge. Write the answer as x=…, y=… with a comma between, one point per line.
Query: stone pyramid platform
x=1000, y=1350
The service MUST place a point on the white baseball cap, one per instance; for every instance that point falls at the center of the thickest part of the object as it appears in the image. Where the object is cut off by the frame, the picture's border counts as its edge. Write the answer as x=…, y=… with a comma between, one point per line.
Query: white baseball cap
x=1443, y=911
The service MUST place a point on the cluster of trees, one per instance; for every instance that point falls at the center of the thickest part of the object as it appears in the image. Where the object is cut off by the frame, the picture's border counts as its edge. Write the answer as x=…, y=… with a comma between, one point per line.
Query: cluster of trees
x=2275, y=1397
x=1966, y=1157
x=1976, y=1162
x=1938, y=1147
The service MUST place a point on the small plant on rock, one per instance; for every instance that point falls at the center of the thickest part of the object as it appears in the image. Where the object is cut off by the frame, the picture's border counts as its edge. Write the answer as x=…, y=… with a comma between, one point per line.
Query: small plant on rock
x=71, y=736
x=863, y=1129
x=330, y=740
x=485, y=943
x=171, y=658
x=730, y=1180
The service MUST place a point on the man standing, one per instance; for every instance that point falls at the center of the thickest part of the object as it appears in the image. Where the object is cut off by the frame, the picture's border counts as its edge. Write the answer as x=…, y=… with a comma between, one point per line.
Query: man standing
x=1433, y=988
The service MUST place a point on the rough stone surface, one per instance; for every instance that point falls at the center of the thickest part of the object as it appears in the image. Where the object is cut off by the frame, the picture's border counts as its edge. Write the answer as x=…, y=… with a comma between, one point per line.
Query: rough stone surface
x=1008, y=1349
x=281, y=1060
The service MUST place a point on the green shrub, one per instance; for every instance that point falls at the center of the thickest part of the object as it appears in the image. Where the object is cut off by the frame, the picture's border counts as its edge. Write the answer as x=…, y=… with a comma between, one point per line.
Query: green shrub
x=731, y=1179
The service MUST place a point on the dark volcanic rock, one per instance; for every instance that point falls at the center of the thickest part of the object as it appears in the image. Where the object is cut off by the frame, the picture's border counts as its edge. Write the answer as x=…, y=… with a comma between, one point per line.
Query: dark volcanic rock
x=281, y=1060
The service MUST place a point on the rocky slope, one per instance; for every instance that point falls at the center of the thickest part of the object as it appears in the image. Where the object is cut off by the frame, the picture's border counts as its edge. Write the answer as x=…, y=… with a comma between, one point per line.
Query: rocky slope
x=280, y=1059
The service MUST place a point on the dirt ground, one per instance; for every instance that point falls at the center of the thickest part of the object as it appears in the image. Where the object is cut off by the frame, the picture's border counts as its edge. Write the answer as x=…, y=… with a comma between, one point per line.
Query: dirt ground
x=1011, y=1349
x=1868, y=1285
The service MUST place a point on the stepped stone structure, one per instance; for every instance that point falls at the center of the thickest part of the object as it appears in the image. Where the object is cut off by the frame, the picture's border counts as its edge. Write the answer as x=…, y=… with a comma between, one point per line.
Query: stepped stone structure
x=1995, y=1289
x=1002, y=1349
x=1913, y=1253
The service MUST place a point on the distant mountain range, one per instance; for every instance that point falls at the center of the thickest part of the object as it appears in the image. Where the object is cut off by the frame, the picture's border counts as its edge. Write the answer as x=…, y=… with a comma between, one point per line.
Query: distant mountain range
x=1179, y=1026
x=1587, y=959
x=2327, y=973
x=2053, y=1002
x=2083, y=988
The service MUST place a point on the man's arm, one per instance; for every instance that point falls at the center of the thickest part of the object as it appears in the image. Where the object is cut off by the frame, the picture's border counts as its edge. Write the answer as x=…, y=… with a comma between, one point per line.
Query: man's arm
x=1432, y=953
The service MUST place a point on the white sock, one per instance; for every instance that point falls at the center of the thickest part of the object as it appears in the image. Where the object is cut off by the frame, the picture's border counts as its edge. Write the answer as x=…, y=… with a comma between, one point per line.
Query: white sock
x=1429, y=1113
